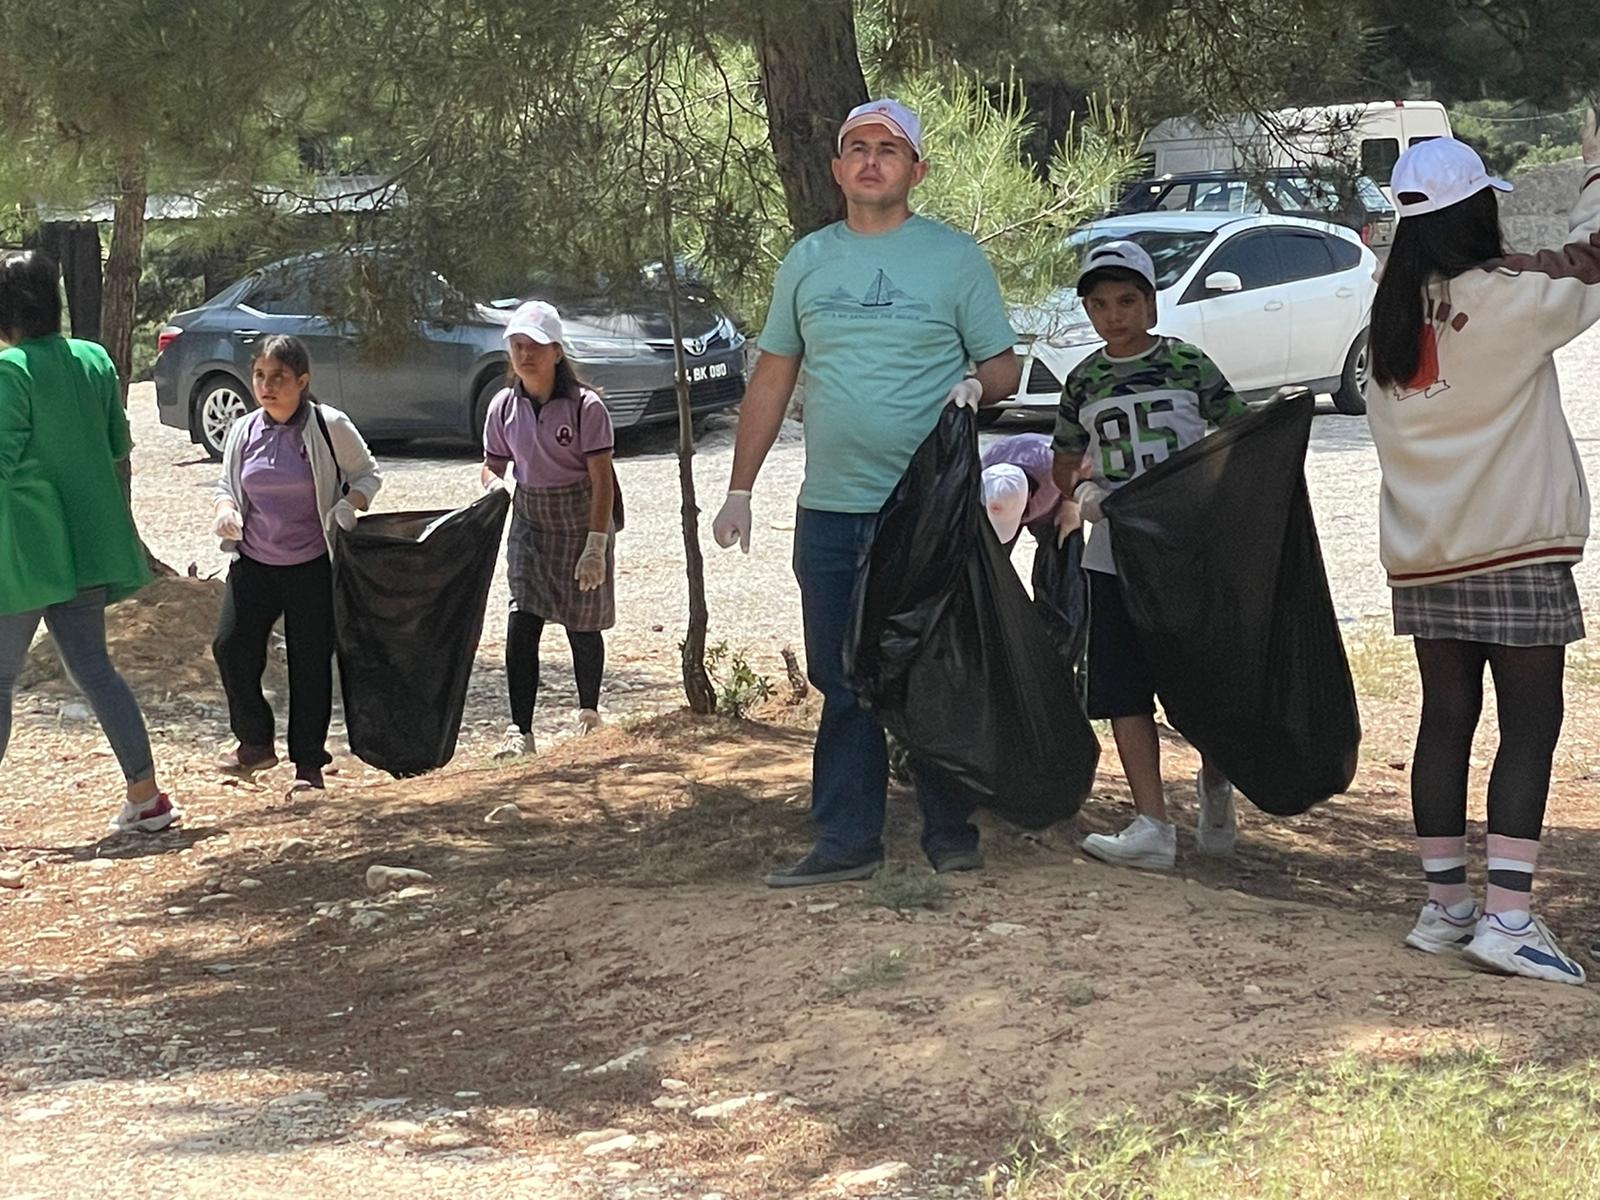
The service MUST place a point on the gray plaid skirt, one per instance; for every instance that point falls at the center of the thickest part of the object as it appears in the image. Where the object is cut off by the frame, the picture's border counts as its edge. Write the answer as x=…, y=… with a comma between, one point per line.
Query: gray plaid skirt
x=1535, y=605
x=549, y=527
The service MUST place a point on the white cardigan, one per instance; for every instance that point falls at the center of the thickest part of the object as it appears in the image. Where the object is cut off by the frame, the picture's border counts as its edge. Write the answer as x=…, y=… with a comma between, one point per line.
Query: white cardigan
x=348, y=453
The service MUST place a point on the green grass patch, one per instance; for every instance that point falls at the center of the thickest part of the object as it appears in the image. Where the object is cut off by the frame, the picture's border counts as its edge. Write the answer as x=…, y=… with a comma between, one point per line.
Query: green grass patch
x=1459, y=1126
x=1382, y=665
x=881, y=970
x=904, y=888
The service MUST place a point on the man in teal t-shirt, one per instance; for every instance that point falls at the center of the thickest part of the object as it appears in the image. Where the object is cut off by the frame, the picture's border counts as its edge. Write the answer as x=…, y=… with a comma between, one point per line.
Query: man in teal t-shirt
x=884, y=311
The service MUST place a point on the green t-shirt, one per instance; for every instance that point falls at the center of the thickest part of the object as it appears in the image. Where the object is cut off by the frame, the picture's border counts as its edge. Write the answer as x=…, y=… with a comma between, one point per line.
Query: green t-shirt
x=886, y=325
x=1129, y=414
x=64, y=525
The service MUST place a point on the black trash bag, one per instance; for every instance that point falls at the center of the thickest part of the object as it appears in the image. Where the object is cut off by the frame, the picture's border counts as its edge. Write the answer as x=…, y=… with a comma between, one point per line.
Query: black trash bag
x=1060, y=591
x=409, y=591
x=1222, y=574
x=947, y=649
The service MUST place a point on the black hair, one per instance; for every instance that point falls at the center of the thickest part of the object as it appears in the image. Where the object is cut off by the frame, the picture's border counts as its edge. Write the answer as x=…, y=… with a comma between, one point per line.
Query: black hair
x=30, y=294
x=288, y=350
x=1427, y=246
x=1092, y=279
x=567, y=382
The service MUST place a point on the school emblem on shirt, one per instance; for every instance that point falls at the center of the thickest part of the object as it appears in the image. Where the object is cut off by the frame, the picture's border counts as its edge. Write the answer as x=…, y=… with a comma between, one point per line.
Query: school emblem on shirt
x=564, y=435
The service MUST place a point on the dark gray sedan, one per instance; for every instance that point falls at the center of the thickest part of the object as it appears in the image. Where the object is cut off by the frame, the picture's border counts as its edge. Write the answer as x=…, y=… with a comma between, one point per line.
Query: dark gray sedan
x=440, y=382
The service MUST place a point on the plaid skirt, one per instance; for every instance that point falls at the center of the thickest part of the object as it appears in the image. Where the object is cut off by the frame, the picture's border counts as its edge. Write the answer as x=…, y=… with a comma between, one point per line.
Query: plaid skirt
x=549, y=527
x=1535, y=605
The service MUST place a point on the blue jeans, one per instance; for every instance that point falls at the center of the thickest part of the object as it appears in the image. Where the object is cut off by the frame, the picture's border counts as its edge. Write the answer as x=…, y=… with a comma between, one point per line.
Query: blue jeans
x=79, y=629
x=850, y=765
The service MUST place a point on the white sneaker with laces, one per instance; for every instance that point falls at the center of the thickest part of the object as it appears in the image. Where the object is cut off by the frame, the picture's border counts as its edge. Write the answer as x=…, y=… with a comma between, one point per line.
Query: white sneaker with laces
x=1530, y=950
x=515, y=744
x=1437, y=932
x=1218, y=829
x=1147, y=843
x=589, y=720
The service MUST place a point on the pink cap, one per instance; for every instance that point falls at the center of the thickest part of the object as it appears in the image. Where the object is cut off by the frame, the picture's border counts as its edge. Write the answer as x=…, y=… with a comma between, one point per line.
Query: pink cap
x=900, y=119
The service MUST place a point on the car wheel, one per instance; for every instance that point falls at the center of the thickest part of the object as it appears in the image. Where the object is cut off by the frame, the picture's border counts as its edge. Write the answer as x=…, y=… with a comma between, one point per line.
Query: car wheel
x=487, y=391
x=989, y=416
x=1351, y=398
x=218, y=402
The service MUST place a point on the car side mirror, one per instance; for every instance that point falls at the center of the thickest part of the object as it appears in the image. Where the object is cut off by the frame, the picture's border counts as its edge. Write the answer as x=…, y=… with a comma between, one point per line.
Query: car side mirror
x=1224, y=281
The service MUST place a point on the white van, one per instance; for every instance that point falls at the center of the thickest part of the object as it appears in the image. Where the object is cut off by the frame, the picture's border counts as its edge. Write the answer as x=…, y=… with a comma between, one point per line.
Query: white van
x=1368, y=137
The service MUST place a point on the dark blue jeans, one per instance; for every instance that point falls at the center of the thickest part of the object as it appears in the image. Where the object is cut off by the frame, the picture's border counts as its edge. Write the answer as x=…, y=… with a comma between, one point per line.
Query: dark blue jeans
x=850, y=766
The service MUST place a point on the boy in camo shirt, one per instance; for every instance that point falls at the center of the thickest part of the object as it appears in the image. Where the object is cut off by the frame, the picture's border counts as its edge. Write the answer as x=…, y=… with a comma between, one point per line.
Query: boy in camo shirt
x=1124, y=409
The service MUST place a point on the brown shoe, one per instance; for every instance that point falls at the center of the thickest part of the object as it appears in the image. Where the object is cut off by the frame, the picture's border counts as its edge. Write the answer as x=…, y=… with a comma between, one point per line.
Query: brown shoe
x=247, y=760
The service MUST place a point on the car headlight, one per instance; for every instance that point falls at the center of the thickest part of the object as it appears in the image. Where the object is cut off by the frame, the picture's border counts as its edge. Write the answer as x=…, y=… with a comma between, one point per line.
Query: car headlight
x=602, y=349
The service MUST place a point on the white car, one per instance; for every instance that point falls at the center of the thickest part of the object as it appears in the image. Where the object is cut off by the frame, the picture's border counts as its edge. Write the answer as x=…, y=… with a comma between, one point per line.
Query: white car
x=1275, y=301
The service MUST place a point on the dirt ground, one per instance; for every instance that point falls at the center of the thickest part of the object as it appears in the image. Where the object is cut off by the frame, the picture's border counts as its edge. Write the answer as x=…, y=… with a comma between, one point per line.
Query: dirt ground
x=593, y=996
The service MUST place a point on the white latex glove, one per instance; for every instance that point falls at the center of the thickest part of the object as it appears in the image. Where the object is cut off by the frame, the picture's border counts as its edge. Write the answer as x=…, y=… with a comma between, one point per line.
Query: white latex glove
x=966, y=394
x=591, y=569
x=1089, y=497
x=344, y=514
x=733, y=522
x=1591, y=141
x=229, y=525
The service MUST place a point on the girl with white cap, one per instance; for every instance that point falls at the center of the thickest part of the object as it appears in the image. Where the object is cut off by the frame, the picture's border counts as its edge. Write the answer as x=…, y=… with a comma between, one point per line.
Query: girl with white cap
x=555, y=433
x=1484, y=509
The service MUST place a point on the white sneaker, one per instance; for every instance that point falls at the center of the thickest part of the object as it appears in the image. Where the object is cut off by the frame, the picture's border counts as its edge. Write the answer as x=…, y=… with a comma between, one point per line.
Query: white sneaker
x=1149, y=844
x=1437, y=932
x=150, y=817
x=1218, y=828
x=589, y=720
x=1530, y=951
x=515, y=744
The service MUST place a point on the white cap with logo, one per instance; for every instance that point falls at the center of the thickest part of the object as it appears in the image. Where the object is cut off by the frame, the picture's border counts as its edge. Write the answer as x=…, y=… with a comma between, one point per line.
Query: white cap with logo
x=1005, y=498
x=538, y=320
x=900, y=119
x=1442, y=171
x=1123, y=255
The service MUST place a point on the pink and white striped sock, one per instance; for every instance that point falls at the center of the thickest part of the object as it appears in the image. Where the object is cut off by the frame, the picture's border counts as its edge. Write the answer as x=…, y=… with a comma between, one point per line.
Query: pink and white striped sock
x=1444, y=864
x=1511, y=864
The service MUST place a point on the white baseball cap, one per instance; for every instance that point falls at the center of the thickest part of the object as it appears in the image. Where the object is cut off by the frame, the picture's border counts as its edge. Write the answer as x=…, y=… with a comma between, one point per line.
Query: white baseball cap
x=1443, y=171
x=538, y=320
x=1126, y=256
x=1005, y=498
x=900, y=119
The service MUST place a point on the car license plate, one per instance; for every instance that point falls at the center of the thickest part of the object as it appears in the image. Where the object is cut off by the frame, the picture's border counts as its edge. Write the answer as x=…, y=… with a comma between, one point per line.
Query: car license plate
x=707, y=371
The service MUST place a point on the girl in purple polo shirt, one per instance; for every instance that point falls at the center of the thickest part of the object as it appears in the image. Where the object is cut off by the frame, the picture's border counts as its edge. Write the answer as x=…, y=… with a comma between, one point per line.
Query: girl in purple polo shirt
x=556, y=435
x=291, y=470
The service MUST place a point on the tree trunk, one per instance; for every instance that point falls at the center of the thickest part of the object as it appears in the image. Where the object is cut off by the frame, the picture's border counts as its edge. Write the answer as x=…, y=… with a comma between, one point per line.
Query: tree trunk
x=120, y=303
x=696, y=683
x=810, y=78
x=1052, y=107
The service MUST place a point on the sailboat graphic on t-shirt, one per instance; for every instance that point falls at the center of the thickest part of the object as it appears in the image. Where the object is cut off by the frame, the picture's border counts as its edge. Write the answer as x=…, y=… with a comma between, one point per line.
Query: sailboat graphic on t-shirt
x=882, y=297
x=879, y=294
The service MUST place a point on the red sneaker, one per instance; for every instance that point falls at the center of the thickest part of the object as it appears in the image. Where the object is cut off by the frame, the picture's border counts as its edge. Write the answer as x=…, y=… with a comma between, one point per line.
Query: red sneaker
x=150, y=817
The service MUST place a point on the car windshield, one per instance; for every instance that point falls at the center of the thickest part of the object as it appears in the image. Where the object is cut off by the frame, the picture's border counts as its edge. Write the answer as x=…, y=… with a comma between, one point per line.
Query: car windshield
x=1172, y=250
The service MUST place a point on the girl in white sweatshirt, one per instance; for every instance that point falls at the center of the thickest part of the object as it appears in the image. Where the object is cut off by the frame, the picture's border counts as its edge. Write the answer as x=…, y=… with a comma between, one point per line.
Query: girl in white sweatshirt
x=1484, y=509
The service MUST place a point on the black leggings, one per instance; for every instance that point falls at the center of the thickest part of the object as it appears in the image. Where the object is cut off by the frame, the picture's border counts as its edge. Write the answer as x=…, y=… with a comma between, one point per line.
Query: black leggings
x=523, y=632
x=1527, y=681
